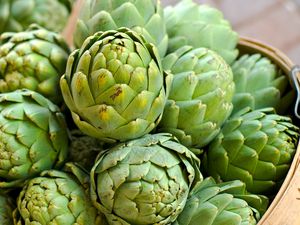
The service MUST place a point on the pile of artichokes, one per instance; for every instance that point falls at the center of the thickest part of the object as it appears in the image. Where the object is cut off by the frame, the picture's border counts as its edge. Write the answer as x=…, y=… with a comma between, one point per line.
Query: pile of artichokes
x=151, y=117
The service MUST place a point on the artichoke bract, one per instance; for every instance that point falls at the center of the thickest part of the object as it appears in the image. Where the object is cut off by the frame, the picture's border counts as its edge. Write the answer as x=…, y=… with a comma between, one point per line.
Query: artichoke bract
x=6, y=209
x=259, y=84
x=114, y=86
x=200, y=96
x=143, y=16
x=34, y=59
x=57, y=197
x=256, y=147
x=200, y=26
x=17, y=15
x=222, y=204
x=33, y=136
x=144, y=181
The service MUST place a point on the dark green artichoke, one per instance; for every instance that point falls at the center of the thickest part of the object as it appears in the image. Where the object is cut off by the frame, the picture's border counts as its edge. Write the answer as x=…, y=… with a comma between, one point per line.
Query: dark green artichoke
x=33, y=136
x=7, y=206
x=200, y=96
x=260, y=84
x=143, y=16
x=200, y=26
x=256, y=147
x=57, y=197
x=17, y=15
x=34, y=59
x=114, y=86
x=222, y=204
x=144, y=181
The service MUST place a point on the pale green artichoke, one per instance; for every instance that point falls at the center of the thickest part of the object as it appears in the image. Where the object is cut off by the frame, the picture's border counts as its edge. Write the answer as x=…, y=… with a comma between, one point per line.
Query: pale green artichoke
x=260, y=84
x=143, y=16
x=33, y=136
x=6, y=209
x=200, y=96
x=84, y=149
x=256, y=147
x=114, y=86
x=222, y=204
x=144, y=181
x=17, y=15
x=34, y=59
x=200, y=26
x=57, y=197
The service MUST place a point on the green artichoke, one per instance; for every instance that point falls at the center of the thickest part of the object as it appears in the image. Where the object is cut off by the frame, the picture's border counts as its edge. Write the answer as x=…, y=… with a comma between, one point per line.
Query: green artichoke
x=200, y=26
x=200, y=96
x=256, y=147
x=6, y=209
x=144, y=181
x=34, y=59
x=143, y=16
x=114, y=86
x=59, y=198
x=84, y=149
x=33, y=136
x=17, y=15
x=221, y=204
x=260, y=84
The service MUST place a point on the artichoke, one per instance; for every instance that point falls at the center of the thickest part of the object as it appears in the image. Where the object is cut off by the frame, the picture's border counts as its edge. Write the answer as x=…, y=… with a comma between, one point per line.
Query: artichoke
x=259, y=84
x=34, y=59
x=57, y=197
x=6, y=209
x=221, y=204
x=17, y=15
x=200, y=26
x=84, y=149
x=33, y=136
x=256, y=147
x=200, y=96
x=144, y=181
x=114, y=86
x=143, y=16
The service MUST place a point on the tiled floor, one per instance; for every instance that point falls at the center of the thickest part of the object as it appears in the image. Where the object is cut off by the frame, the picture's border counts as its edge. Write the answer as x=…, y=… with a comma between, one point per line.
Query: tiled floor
x=276, y=22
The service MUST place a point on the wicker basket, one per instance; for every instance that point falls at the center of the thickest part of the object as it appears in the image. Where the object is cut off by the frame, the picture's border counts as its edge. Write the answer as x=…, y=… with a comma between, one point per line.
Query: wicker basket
x=285, y=208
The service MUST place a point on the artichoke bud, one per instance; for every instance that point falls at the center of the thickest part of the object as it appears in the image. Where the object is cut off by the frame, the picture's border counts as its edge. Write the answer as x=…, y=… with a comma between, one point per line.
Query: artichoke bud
x=58, y=197
x=256, y=147
x=200, y=26
x=16, y=15
x=260, y=84
x=212, y=203
x=33, y=136
x=114, y=86
x=202, y=82
x=99, y=15
x=144, y=181
x=34, y=59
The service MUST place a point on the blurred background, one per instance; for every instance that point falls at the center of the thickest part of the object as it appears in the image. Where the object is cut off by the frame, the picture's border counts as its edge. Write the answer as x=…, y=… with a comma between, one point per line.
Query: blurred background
x=275, y=22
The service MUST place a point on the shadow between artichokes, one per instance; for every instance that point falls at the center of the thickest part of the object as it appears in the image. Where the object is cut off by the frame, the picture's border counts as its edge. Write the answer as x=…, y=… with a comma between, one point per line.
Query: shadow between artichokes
x=144, y=181
x=33, y=136
x=7, y=205
x=57, y=197
x=114, y=86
